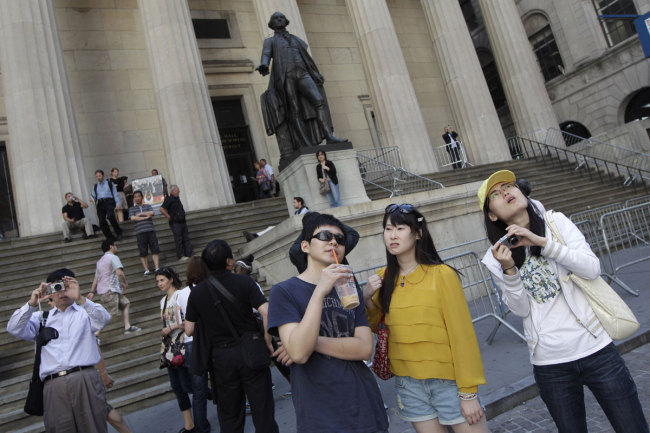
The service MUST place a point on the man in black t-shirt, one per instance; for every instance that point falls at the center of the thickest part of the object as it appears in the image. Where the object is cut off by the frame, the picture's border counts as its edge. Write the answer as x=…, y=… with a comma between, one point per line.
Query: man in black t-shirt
x=173, y=210
x=73, y=217
x=221, y=351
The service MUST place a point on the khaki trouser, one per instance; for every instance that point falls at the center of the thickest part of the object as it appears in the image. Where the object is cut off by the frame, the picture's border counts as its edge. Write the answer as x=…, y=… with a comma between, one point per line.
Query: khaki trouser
x=75, y=403
x=82, y=223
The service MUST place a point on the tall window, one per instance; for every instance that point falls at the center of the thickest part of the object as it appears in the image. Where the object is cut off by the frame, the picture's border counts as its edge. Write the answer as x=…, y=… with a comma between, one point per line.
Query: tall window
x=543, y=43
x=616, y=30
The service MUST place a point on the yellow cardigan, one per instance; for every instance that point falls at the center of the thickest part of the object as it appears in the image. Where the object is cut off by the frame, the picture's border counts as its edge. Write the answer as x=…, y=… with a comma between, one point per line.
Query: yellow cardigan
x=430, y=331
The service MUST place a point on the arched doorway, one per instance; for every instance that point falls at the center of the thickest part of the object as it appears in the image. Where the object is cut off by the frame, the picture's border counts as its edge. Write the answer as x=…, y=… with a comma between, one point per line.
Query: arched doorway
x=639, y=106
x=575, y=132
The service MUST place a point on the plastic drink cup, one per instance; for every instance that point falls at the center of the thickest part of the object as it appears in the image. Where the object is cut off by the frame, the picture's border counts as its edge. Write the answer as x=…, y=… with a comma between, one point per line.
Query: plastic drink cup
x=346, y=289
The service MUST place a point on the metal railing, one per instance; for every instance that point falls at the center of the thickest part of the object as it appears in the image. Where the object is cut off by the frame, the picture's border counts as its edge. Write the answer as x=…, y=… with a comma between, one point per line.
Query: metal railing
x=593, y=154
x=377, y=168
x=448, y=155
x=639, y=200
x=626, y=239
x=483, y=298
x=598, y=149
x=593, y=234
x=606, y=171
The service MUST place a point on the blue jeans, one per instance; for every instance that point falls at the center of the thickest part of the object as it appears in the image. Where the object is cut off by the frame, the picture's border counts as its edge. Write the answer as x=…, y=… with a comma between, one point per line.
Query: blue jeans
x=199, y=394
x=179, y=379
x=334, y=197
x=605, y=373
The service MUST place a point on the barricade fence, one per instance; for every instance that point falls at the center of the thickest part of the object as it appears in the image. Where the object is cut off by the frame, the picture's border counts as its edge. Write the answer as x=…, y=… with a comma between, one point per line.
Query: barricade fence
x=483, y=298
x=451, y=155
x=626, y=237
x=392, y=179
x=639, y=200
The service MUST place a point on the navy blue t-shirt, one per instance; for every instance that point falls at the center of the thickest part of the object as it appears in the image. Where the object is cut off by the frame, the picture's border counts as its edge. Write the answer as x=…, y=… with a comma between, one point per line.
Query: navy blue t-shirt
x=330, y=395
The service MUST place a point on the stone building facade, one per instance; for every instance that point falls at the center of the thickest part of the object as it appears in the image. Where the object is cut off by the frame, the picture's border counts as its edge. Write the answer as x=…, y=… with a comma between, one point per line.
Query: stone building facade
x=170, y=84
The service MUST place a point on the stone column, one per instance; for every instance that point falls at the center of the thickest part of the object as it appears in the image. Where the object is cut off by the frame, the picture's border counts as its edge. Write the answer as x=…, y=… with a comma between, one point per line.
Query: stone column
x=194, y=154
x=394, y=101
x=477, y=122
x=265, y=8
x=522, y=80
x=43, y=146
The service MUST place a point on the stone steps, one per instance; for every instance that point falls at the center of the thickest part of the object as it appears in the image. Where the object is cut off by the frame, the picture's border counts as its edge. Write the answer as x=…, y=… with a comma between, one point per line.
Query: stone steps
x=132, y=360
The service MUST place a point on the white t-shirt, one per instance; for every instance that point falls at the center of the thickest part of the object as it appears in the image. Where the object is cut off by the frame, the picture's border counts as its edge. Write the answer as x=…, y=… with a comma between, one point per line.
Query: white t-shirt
x=183, y=296
x=561, y=337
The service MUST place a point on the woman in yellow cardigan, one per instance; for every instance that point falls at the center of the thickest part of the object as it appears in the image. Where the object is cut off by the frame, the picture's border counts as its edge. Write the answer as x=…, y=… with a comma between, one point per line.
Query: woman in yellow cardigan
x=432, y=346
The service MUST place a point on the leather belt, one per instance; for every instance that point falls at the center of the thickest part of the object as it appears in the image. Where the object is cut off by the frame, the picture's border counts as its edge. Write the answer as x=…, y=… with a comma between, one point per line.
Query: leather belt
x=66, y=372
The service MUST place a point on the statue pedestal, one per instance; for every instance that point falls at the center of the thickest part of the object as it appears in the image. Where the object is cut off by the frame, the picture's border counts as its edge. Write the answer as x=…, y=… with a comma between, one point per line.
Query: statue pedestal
x=299, y=179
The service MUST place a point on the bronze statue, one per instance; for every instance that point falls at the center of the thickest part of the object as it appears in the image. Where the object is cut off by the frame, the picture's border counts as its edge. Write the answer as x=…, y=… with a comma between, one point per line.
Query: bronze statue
x=294, y=106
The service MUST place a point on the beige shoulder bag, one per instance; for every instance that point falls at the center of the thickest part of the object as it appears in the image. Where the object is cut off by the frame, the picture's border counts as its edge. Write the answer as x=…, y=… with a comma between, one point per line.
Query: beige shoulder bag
x=612, y=311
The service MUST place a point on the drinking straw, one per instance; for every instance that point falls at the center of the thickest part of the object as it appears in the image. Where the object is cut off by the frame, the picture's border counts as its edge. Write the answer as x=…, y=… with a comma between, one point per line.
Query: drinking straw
x=336, y=259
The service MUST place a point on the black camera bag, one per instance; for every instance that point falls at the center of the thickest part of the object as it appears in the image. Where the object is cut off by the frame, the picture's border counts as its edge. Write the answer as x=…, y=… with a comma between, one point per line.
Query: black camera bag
x=34, y=401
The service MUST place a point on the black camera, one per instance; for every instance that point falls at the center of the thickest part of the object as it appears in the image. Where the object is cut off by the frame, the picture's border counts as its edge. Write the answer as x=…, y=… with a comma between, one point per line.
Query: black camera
x=47, y=334
x=55, y=287
x=508, y=241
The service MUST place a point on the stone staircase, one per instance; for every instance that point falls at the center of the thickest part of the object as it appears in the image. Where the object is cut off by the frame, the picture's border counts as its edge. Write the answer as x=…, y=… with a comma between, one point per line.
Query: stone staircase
x=132, y=359
x=555, y=183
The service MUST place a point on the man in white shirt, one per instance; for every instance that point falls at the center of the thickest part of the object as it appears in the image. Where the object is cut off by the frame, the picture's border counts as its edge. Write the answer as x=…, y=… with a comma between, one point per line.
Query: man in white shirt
x=74, y=397
x=270, y=175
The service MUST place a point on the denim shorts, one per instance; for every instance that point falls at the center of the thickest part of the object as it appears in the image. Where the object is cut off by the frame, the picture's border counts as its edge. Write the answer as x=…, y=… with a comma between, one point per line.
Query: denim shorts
x=424, y=399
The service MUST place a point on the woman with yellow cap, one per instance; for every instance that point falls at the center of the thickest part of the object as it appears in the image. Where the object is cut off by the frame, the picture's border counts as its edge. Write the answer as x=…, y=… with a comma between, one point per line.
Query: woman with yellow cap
x=568, y=346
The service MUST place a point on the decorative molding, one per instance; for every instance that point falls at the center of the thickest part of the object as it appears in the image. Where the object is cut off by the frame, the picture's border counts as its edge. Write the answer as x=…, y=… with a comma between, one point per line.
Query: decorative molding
x=228, y=66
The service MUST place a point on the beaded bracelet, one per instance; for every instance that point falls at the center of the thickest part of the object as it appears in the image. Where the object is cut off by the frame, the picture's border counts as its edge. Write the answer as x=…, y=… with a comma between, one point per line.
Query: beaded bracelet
x=467, y=396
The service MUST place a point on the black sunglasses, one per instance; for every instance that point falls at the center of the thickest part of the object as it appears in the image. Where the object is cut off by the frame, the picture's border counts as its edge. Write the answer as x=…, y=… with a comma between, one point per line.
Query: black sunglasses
x=403, y=208
x=327, y=236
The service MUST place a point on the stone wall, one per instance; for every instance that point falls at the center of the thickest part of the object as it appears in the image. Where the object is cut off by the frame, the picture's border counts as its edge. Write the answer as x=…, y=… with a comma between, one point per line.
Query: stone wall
x=111, y=86
x=445, y=210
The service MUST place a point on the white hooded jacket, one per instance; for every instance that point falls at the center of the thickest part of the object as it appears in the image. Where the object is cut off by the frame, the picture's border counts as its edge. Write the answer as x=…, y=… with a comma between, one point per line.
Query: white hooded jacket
x=574, y=257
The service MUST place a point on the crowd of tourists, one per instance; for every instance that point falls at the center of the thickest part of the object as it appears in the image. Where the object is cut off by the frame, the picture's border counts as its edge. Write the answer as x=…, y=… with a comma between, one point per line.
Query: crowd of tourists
x=221, y=335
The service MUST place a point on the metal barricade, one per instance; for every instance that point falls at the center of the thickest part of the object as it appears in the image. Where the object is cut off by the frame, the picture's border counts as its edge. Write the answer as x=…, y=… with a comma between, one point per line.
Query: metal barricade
x=626, y=239
x=483, y=298
x=447, y=155
x=639, y=200
x=593, y=215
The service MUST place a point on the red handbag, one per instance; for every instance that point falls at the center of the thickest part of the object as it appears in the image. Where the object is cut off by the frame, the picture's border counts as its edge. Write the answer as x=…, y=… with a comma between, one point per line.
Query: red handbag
x=380, y=362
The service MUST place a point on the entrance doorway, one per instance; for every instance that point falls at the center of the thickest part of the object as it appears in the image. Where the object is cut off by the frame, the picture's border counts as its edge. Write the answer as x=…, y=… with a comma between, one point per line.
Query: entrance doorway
x=8, y=222
x=237, y=147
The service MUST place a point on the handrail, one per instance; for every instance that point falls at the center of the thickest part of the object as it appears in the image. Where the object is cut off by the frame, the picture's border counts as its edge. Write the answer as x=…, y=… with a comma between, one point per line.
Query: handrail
x=378, y=168
x=522, y=147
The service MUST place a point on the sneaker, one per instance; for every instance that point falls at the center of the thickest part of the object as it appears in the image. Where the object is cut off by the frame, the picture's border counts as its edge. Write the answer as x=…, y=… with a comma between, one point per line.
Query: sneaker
x=184, y=259
x=132, y=329
x=84, y=236
x=67, y=240
x=147, y=272
x=184, y=430
x=156, y=270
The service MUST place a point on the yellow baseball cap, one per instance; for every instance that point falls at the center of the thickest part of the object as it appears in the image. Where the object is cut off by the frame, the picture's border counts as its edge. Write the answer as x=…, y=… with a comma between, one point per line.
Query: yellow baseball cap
x=495, y=178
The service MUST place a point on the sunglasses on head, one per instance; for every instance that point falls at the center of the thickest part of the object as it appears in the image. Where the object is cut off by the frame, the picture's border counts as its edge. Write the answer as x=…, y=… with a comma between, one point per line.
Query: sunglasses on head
x=327, y=236
x=403, y=208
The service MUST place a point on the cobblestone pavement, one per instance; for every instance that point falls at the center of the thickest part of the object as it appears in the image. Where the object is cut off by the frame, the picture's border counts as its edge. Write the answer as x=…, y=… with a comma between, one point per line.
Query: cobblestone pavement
x=532, y=416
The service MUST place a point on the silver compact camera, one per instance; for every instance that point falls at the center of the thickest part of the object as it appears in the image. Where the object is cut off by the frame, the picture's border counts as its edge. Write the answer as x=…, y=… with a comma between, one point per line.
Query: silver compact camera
x=55, y=287
x=508, y=241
